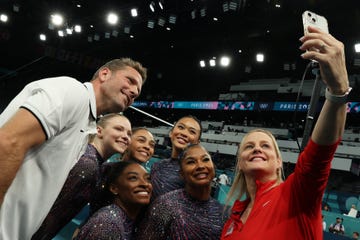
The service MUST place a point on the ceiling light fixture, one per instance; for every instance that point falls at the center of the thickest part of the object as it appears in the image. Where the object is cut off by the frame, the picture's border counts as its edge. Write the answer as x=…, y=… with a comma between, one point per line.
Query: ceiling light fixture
x=225, y=6
x=42, y=37
x=134, y=12
x=161, y=5
x=193, y=14
x=172, y=19
x=112, y=18
x=203, y=12
x=161, y=21
x=127, y=29
x=114, y=33
x=61, y=33
x=69, y=31
x=77, y=28
x=260, y=57
x=4, y=18
x=57, y=19
x=357, y=47
x=233, y=5
x=152, y=6
x=16, y=8
x=224, y=61
x=151, y=24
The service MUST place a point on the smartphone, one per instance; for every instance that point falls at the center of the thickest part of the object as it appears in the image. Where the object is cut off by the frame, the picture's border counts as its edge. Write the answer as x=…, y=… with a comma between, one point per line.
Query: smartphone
x=312, y=19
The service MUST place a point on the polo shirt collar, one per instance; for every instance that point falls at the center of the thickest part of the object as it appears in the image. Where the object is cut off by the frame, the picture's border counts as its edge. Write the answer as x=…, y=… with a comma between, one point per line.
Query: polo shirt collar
x=90, y=88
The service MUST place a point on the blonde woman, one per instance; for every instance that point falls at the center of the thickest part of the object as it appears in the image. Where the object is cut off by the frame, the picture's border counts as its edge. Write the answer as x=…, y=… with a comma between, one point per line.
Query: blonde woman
x=277, y=209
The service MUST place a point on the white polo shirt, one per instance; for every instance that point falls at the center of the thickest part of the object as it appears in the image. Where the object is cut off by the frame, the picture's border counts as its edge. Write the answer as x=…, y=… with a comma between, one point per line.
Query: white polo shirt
x=66, y=110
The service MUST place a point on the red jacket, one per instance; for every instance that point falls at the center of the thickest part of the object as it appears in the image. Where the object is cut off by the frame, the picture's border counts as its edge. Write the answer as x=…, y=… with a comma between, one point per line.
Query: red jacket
x=291, y=210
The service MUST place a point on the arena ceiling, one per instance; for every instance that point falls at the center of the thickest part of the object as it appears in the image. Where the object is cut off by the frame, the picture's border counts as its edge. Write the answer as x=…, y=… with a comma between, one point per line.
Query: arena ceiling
x=171, y=50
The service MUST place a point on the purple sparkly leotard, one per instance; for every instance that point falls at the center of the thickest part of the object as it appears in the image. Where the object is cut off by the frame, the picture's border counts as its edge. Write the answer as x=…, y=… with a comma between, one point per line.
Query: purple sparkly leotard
x=176, y=215
x=109, y=223
x=75, y=194
x=165, y=177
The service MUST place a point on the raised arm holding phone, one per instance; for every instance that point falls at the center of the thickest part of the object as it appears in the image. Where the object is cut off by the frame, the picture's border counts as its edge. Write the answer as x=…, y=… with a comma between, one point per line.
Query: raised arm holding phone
x=275, y=208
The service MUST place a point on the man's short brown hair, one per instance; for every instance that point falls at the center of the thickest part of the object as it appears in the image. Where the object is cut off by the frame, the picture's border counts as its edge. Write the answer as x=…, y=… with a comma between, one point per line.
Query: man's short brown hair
x=121, y=63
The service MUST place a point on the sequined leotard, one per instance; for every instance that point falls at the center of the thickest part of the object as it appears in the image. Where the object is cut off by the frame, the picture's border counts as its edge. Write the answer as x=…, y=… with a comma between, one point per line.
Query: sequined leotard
x=176, y=215
x=165, y=177
x=109, y=223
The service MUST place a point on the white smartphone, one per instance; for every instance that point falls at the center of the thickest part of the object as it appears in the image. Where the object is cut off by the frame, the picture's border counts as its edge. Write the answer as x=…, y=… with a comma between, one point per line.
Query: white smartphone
x=312, y=19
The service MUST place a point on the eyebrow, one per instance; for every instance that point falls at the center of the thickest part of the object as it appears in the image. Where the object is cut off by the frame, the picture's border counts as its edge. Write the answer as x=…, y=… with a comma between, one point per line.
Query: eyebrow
x=134, y=81
x=202, y=156
x=187, y=126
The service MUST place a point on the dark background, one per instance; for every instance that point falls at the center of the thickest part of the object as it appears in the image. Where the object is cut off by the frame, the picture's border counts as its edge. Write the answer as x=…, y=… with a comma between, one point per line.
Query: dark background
x=171, y=56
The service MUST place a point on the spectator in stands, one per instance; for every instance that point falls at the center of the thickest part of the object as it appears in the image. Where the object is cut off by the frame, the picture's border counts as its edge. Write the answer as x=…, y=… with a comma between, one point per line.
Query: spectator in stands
x=165, y=175
x=355, y=235
x=142, y=146
x=60, y=113
x=326, y=208
x=224, y=179
x=337, y=227
x=113, y=136
x=129, y=186
x=323, y=223
x=188, y=213
x=352, y=212
x=278, y=208
x=215, y=187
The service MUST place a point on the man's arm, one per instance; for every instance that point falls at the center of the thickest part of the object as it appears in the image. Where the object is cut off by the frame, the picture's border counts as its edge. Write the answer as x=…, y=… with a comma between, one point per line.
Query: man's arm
x=20, y=133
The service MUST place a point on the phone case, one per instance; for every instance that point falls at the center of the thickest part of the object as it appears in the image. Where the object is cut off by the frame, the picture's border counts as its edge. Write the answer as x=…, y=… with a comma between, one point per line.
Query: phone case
x=312, y=19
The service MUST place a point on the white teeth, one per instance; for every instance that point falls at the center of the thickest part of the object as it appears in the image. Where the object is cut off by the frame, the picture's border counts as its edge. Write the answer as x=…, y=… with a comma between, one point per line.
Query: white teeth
x=202, y=175
x=143, y=193
x=144, y=154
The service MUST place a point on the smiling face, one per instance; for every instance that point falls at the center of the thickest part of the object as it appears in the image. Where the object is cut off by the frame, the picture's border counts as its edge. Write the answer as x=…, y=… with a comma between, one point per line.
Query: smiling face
x=197, y=168
x=186, y=131
x=142, y=146
x=133, y=186
x=258, y=155
x=114, y=135
x=119, y=88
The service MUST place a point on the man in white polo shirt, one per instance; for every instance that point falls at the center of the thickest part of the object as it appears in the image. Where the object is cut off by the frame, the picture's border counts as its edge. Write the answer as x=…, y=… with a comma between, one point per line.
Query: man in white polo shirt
x=43, y=132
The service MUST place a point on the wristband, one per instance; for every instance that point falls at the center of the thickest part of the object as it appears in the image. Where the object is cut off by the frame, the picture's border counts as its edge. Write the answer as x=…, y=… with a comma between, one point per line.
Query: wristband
x=337, y=98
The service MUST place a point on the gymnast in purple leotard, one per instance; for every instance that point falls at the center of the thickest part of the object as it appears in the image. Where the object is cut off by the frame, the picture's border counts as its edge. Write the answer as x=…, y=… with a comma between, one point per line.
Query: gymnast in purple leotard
x=188, y=213
x=165, y=175
x=128, y=184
